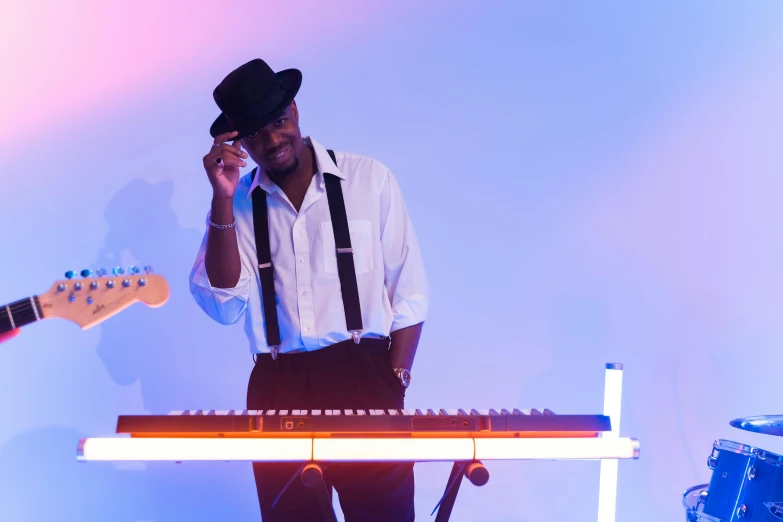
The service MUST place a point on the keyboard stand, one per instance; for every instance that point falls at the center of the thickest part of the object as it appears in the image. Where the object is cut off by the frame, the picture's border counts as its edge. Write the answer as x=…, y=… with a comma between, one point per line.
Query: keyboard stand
x=476, y=473
x=312, y=476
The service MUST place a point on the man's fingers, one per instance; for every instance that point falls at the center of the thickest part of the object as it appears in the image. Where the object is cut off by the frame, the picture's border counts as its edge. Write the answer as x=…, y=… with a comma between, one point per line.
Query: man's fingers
x=232, y=148
x=229, y=161
x=222, y=138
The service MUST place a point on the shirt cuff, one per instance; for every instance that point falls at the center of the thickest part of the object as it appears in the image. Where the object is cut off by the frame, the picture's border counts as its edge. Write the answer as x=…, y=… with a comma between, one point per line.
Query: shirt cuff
x=411, y=311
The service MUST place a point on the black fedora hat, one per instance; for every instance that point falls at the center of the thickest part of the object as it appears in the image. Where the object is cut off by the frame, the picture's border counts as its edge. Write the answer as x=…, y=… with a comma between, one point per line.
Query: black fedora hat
x=251, y=96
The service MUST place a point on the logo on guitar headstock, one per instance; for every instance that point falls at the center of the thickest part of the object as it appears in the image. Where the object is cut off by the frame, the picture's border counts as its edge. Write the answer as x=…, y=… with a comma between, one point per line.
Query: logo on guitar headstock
x=98, y=309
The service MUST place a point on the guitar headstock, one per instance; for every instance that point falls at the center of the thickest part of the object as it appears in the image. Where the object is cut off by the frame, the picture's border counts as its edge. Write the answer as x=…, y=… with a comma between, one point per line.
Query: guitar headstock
x=95, y=298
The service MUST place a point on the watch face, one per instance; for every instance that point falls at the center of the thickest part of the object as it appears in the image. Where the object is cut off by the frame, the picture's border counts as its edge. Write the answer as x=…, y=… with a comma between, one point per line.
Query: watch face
x=405, y=377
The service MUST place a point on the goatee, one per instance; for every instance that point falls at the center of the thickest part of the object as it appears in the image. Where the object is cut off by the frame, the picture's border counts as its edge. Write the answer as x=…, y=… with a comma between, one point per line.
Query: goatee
x=286, y=171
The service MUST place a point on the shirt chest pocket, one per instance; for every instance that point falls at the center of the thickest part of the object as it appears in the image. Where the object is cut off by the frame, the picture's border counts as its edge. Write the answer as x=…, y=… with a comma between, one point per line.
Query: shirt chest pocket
x=361, y=243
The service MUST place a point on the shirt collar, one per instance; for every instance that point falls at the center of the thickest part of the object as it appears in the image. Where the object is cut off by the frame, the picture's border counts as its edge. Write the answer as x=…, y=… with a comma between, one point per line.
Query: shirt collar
x=324, y=165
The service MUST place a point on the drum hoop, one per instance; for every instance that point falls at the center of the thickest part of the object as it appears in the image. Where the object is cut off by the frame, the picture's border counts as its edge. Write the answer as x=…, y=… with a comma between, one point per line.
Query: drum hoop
x=749, y=451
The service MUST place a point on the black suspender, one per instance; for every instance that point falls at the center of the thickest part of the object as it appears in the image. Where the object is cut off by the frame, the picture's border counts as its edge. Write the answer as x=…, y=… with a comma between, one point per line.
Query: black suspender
x=346, y=269
x=266, y=272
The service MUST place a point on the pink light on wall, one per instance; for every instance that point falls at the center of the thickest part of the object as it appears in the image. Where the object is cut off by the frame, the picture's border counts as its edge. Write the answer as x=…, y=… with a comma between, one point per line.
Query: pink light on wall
x=60, y=58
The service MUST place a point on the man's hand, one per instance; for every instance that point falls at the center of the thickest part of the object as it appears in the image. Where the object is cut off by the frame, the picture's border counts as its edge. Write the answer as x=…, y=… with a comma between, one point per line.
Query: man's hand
x=8, y=335
x=222, y=165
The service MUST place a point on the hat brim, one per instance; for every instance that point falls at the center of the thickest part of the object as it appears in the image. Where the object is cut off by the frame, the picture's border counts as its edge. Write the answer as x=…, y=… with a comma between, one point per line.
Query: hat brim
x=290, y=80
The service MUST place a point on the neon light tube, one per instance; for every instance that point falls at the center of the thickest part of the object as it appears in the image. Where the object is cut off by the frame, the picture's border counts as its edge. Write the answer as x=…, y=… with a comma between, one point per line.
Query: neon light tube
x=607, y=481
x=182, y=449
x=393, y=449
x=353, y=449
x=556, y=449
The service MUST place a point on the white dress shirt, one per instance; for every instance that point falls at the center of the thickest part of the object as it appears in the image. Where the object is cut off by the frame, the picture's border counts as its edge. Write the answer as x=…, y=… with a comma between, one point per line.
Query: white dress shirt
x=393, y=290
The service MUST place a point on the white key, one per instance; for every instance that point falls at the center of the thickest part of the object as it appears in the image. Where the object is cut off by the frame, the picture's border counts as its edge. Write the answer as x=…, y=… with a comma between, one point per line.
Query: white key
x=315, y=412
x=483, y=412
x=221, y=412
x=394, y=412
x=337, y=412
x=271, y=412
x=409, y=413
x=297, y=412
x=328, y=412
x=377, y=412
x=283, y=412
x=349, y=412
x=176, y=412
x=359, y=412
x=452, y=412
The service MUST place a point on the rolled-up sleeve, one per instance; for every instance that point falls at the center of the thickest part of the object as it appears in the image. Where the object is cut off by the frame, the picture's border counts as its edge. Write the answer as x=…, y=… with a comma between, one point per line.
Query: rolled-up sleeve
x=224, y=305
x=404, y=277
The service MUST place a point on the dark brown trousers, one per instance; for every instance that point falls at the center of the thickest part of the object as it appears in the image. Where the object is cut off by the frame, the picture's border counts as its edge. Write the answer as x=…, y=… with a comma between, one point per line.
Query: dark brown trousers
x=342, y=376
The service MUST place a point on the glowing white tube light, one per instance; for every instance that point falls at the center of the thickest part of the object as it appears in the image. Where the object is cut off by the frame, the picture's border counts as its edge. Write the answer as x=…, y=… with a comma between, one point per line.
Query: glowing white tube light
x=353, y=449
x=183, y=449
x=396, y=449
x=556, y=449
x=607, y=485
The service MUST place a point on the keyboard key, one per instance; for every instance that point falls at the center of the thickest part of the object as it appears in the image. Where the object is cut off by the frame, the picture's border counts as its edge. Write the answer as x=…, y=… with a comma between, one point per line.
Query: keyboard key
x=475, y=412
x=462, y=412
x=176, y=412
x=409, y=413
x=394, y=412
x=515, y=411
x=504, y=411
x=534, y=411
x=316, y=412
x=349, y=412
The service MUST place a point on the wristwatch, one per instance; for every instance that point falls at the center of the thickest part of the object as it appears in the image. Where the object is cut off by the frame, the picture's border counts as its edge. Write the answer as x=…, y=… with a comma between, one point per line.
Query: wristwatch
x=404, y=376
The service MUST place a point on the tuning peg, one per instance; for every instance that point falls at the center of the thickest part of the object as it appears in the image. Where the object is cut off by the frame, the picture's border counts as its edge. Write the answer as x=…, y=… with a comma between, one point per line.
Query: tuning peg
x=86, y=273
x=101, y=272
x=148, y=269
x=70, y=274
x=118, y=270
x=133, y=270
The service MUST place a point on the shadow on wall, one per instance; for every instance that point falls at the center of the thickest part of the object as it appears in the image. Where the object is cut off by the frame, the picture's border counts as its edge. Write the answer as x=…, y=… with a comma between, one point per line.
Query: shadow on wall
x=181, y=358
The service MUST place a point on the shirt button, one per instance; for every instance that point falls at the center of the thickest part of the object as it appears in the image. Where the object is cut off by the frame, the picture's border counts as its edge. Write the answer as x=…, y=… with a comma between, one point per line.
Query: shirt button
x=304, y=293
x=307, y=328
x=301, y=260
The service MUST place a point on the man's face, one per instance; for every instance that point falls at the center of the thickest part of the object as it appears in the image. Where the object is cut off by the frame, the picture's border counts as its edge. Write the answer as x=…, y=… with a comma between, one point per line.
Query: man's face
x=277, y=146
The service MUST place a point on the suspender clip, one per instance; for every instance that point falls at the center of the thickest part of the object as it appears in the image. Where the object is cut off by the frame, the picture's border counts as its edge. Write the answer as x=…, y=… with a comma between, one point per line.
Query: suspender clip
x=345, y=250
x=357, y=336
x=264, y=265
x=274, y=350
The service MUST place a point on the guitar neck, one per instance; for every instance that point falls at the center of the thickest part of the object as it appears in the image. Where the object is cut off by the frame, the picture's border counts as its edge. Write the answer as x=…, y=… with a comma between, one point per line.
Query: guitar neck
x=20, y=313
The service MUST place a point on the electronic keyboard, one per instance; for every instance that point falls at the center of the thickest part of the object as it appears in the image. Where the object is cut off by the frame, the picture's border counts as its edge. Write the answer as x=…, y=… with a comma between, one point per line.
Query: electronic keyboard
x=360, y=422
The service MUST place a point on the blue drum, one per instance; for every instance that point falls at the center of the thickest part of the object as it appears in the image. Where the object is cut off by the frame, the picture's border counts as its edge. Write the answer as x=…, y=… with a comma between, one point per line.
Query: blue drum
x=746, y=485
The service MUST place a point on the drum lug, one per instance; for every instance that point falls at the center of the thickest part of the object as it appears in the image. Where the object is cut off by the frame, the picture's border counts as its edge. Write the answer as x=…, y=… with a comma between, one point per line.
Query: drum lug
x=751, y=473
x=712, y=462
x=703, y=497
x=741, y=511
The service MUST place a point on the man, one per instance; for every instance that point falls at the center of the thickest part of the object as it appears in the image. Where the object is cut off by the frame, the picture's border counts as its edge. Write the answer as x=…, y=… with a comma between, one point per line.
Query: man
x=322, y=260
